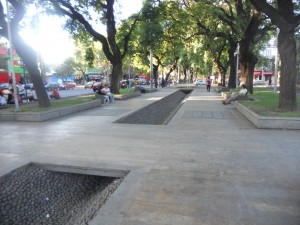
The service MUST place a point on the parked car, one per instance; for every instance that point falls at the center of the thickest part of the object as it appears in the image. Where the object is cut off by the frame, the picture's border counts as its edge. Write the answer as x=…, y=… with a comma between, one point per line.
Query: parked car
x=200, y=82
x=50, y=85
x=96, y=86
x=88, y=85
x=67, y=85
x=259, y=83
x=4, y=85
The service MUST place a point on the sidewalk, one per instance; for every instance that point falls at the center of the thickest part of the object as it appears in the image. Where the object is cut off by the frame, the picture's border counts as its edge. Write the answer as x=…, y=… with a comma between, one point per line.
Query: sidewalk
x=209, y=165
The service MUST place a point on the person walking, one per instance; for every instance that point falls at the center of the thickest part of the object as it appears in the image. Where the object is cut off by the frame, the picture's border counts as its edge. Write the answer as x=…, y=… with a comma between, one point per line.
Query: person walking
x=208, y=84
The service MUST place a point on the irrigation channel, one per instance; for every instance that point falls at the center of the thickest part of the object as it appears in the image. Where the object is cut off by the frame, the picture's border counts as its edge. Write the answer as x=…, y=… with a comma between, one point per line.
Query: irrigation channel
x=159, y=112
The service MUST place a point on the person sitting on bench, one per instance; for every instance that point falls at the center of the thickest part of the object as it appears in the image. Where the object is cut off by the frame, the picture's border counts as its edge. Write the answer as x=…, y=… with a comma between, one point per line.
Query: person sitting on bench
x=107, y=92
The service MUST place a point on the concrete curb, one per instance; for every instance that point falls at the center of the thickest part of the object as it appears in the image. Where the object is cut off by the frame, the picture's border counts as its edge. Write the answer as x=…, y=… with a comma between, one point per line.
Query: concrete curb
x=263, y=122
x=126, y=96
x=43, y=116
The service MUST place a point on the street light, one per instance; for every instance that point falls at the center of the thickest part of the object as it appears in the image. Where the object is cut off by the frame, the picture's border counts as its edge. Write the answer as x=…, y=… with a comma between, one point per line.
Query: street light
x=237, y=65
x=11, y=60
x=151, y=69
x=276, y=65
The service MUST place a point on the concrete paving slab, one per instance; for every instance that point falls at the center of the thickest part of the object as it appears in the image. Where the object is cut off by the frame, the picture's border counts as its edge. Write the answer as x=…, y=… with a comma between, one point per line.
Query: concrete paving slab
x=194, y=170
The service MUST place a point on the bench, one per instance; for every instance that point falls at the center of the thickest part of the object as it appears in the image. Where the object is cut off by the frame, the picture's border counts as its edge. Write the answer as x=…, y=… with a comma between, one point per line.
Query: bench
x=222, y=89
x=103, y=98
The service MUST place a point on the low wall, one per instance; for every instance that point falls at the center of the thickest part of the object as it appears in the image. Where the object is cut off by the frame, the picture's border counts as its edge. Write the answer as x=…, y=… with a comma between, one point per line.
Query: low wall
x=43, y=116
x=126, y=96
x=264, y=122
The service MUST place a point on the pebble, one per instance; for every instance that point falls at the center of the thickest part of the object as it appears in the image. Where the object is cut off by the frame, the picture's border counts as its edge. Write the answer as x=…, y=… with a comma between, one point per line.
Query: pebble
x=32, y=195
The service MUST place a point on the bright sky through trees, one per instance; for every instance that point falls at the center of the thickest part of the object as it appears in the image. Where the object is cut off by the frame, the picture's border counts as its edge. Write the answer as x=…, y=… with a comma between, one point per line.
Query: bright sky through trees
x=54, y=44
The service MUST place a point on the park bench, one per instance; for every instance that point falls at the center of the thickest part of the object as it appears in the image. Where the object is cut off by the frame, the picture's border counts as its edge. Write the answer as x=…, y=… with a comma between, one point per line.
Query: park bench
x=103, y=98
x=222, y=89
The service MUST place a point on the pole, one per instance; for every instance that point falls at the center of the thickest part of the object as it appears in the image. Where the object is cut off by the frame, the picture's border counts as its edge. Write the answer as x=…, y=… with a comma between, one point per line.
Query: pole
x=151, y=69
x=12, y=61
x=178, y=72
x=129, y=66
x=237, y=65
x=276, y=65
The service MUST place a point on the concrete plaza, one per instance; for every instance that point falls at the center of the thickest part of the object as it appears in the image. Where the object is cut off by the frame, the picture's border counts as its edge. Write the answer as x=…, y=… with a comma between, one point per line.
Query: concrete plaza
x=208, y=166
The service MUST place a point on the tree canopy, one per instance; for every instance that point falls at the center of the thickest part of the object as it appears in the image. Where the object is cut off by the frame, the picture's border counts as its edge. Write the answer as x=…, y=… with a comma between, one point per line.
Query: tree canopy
x=195, y=36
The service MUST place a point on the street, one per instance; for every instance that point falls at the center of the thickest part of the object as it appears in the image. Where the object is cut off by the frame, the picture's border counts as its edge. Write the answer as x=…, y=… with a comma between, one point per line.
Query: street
x=79, y=90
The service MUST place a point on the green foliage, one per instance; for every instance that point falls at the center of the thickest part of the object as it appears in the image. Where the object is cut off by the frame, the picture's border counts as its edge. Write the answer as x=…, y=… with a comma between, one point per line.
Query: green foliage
x=89, y=56
x=66, y=68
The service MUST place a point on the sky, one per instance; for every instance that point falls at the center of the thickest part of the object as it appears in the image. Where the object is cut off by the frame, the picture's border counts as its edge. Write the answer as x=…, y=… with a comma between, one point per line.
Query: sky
x=54, y=44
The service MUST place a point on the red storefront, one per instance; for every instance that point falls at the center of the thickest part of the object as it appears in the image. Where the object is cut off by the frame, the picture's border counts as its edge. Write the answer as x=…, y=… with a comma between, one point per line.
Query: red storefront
x=4, y=60
x=263, y=75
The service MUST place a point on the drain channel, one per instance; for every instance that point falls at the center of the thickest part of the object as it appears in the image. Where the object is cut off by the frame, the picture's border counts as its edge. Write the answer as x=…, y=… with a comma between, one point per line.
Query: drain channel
x=159, y=112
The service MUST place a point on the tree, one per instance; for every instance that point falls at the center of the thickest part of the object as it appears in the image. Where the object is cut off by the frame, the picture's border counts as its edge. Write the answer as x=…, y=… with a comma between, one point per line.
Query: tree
x=27, y=53
x=254, y=28
x=208, y=22
x=287, y=19
x=81, y=21
x=66, y=68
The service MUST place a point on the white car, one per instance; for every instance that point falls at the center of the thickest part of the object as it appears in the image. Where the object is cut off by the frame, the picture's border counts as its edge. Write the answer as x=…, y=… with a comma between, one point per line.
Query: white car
x=259, y=83
x=200, y=82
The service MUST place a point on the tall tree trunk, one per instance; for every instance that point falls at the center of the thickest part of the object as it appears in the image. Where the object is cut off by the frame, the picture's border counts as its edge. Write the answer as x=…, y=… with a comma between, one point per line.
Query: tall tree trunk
x=232, y=74
x=115, y=77
x=247, y=57
x=247, y=70
x=27, y=53
x=185, y=75
x=29, y=58
x=155, y=75
x=287, y=51
x=284, y=18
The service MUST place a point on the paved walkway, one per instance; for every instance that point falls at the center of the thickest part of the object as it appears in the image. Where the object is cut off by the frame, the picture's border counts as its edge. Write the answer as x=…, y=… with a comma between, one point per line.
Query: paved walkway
x=208, y=166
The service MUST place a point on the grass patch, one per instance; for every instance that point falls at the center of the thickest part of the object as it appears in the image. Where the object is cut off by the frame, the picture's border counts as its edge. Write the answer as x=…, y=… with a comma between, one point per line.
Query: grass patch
x=266, y=104
x=127, y=90
x=56, y=104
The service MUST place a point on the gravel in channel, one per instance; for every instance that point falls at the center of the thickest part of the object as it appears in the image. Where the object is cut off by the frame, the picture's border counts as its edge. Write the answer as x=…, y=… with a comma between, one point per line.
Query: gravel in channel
x=32, y=195
x=158, y=112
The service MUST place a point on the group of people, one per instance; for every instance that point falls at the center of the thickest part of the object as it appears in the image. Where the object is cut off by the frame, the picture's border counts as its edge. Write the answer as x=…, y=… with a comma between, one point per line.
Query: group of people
x=233, y=96
x=105, y=90
x=7, y=97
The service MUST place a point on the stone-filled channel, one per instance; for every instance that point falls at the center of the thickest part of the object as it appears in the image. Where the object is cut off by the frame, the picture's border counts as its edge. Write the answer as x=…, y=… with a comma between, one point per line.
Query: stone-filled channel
x=159, y=112
x=32, y=195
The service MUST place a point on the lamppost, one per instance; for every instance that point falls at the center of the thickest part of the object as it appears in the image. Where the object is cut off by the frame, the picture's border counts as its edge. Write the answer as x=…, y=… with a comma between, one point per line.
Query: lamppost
x=151, y=69
x=276, y=64
x=237, y=65
x=12, y=69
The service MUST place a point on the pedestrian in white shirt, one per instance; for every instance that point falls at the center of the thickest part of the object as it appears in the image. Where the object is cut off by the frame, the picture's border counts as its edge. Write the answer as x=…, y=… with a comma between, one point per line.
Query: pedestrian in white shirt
x=107, y=92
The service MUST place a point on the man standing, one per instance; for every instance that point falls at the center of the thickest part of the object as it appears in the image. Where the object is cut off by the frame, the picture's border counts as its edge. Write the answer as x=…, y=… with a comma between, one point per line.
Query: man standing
x=208, y=83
